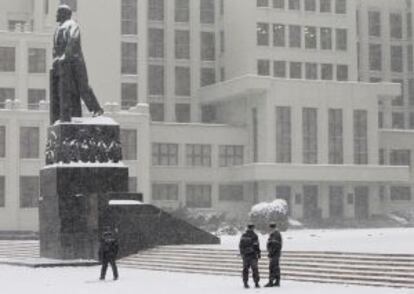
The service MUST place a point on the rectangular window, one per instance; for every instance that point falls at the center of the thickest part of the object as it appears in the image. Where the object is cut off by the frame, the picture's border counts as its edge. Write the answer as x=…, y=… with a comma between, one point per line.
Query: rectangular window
x=279, y=4
x=222, y=74
x=360, y=137
x=310, y=135
x=29, y=142
x=409, y=25
x=398, y=120
x=182, y=10
x=263, y=67
x=129, y=17
x=7, y=59
x=410, y=59
x=2, y=191
x=310, y=5
x=398, y=100
x=400, y=157
x=129, y=95
x=380, y=119
x=2, y=141
x=198, y=196
x=129, y=144
x=279, y=69
x=411, y=120
x=375, y=57
x=155, y=79
x=336, y=202
x=129, y=58
x=326, y=71
x=411, y=91
x=207, y=11
x=294, y=4
x=222, y=42
x=208, y=46
x=310, y=37
x=155, y=43
x=156, y=10
x=396, y=25
x=182, y=112
x=325, y=6
x=295, y=36
x=340, y=6
x=230, y=155
x=182, y=44
x=198, y=155
x=311, y=70
x=34, y=96
x=295, y=69
x=262, y=34
x=262, y=3
x=341, y=39
x=208, y=113
x=157, y=111
x=231, y=193
x=164, y=154
x=381, y=155
x=278, y=35
x=400, y=193
x=208, y=76
x=396, y=59
x=29, y=191
x=374, y=23
x=342, y=72
x=326, y=38
x=164, y=192
x=285, y=193
x=335, y=137
x=283, y=135
x=37, y=60
x=182, y=81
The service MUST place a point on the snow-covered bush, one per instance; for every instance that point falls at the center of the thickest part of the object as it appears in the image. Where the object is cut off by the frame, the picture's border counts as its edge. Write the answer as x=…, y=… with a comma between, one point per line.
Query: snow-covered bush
x=264, y=213
x=206, y=220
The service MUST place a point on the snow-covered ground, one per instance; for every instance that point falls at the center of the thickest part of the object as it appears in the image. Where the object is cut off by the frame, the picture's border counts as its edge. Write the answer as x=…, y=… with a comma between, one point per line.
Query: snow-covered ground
x=392, y=240
x=16, y=280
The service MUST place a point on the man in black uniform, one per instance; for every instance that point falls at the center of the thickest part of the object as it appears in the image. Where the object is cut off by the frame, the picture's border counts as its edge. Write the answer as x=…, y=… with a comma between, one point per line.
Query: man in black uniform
x=274, y=248
x=250, y=252
x=69, y=79
x=107, y=254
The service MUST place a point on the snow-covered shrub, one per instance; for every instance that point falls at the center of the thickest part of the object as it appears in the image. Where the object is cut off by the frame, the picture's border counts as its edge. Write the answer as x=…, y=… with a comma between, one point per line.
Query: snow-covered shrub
x=264, y=213
x=206, y=220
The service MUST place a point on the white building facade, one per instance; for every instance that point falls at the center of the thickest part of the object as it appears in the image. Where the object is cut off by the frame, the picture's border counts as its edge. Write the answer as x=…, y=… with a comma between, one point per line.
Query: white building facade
x=288, y=118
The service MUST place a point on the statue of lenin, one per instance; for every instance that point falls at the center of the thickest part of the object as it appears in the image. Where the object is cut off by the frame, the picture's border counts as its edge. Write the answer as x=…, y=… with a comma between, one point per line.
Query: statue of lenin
x=68, y=77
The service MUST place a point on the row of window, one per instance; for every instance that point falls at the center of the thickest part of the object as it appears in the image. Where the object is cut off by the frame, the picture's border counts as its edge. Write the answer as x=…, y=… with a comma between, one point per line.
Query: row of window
x=197, y=196
x=396, y=57
x=166, y=154
x=29, y=191
x=36, y=60
x=325, y=6
x=298, y=35
x=299, y=70
x=34, y=96
x=396, y=157
x=310, y=136
x=395, y=24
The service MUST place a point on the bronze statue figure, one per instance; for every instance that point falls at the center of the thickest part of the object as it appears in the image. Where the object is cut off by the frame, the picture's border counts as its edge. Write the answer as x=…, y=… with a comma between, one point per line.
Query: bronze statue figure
x=68, y=77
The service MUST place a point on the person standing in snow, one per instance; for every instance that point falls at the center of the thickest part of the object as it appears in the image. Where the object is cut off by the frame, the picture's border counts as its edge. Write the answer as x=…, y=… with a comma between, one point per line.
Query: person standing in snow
x=108, y=252
x=250, y=252
x=274, y=249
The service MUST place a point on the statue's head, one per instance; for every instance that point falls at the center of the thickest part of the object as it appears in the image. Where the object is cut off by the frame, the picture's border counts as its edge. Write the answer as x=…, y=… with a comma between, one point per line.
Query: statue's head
x=63, y=13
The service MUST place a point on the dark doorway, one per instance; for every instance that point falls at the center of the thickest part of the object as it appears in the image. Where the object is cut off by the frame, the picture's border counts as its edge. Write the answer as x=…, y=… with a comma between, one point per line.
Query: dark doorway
x=361, y=202
x=336, y=202
x=284, y=192
x=311, y=210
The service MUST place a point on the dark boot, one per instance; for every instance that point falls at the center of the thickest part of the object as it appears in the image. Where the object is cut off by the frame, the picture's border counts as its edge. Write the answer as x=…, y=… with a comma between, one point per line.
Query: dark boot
x=277, y=283
x=256, y=285
x=246, y=285
x=270, y=284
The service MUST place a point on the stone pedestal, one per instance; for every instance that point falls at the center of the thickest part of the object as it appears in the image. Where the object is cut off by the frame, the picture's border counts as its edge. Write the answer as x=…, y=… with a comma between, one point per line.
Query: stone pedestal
x=82, y=168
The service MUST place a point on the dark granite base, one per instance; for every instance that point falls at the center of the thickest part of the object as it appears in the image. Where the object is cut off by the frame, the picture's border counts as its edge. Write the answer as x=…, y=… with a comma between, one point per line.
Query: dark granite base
x=71, y=202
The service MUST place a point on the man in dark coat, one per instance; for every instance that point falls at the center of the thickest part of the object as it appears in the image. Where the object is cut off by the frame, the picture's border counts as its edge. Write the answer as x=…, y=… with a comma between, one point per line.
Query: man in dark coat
x=69, y=79
x=250, y=252
x=108, y=252
x=274, y=249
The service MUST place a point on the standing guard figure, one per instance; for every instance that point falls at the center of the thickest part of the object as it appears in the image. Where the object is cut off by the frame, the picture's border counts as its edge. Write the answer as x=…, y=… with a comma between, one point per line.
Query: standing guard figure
x=274, y=248
x=108, y=252
x=250, y=251
x=68, y=77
